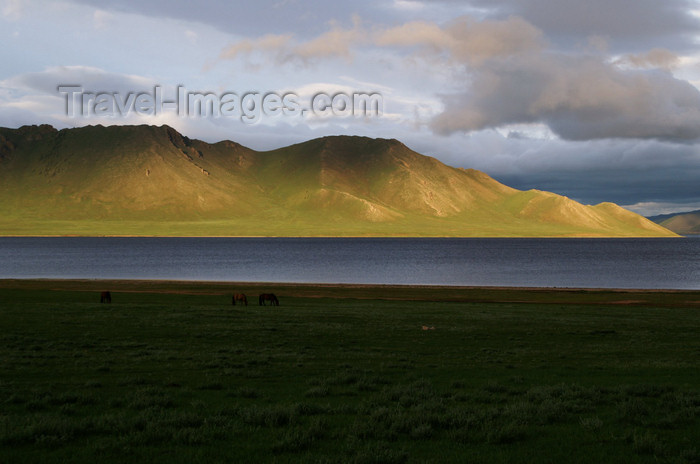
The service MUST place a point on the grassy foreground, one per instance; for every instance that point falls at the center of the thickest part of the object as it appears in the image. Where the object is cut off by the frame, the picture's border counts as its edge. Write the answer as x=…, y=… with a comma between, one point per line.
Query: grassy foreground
x=171, y=372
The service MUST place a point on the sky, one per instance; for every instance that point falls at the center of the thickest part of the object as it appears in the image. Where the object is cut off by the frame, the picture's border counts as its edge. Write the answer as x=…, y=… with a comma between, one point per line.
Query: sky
x=596, y=100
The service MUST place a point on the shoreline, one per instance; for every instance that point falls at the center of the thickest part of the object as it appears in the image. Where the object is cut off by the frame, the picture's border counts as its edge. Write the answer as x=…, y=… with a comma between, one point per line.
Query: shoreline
x=472, y=294
x=574, y=236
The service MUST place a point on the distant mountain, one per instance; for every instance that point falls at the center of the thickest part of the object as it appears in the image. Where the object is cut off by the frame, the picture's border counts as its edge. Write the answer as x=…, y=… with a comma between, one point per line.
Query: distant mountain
x=680, y=223
x=147, y=180
x=660, y=217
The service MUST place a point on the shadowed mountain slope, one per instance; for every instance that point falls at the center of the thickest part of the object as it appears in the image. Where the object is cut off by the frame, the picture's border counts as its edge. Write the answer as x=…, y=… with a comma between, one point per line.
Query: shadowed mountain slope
x=680, y=223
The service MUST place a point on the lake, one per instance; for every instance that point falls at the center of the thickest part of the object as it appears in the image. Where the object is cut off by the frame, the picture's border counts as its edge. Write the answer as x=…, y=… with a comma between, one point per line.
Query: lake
x=523, y=262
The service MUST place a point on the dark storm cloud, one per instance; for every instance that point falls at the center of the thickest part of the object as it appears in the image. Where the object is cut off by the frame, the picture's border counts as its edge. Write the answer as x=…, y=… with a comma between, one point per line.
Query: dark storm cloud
x=634, y=23
x=578, y=97
x=622, y=171
x=618, y=185
x=630, y=24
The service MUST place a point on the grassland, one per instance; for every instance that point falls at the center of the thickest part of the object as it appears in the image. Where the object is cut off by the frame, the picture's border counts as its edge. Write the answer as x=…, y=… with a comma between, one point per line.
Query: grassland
x=171, y=372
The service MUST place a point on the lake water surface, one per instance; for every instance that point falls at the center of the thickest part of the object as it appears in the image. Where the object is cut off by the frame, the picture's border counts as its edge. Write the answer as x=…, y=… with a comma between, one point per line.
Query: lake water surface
x=593, y=263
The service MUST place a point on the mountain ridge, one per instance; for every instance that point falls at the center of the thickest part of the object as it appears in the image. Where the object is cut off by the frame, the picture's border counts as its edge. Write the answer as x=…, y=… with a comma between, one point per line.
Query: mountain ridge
x=152, y=180
x=686, y=223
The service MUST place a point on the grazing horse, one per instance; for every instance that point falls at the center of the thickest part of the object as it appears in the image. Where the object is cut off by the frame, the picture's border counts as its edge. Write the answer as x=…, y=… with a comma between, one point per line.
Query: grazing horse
x=105, y=297
x=239, y=297
x=268, y=297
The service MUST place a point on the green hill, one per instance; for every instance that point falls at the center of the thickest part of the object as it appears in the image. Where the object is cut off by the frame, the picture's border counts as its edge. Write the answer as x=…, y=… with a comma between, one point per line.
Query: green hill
x=147, y=180
x=680, y=223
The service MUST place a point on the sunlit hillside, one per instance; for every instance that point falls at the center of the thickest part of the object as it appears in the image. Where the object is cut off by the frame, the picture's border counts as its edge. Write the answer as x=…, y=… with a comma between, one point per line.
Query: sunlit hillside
x=147, y=180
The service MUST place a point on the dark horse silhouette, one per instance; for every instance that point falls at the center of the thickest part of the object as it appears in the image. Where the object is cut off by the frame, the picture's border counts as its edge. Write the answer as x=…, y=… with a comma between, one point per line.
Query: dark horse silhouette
x=239, y=297
x=105, y=297
x=268, y=297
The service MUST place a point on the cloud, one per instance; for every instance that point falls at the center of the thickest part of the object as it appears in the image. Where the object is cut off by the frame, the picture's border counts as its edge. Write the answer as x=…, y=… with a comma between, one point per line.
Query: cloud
x=654, y=208
x=464, y=39
x=34, y=97
x=408, y=5
x=654, y=58
x=416, y=33
x=102, y=19
x=628, y=24
x=11, y=9
x=274, y=43
x=476, y=41
x=512, y=77
x=336, y=42
x=90, y=78
x=191, y=35
x=578, y=97
x=510, y=74
x=304, y=19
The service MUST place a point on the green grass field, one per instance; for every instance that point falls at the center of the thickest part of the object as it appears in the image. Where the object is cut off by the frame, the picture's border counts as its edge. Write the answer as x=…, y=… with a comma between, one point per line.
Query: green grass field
x=171, y=372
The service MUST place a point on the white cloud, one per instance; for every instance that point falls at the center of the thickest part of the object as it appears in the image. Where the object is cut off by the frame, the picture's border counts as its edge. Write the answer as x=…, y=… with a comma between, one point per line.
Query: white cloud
x=655, y=208
x=410, y=5
x=12, y=9
x=191, y=35
x=102, y=19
